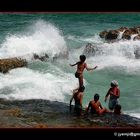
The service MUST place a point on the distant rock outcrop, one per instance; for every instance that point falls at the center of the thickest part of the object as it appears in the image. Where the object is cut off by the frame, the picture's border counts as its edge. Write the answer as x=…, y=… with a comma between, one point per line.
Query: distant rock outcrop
x=11, y=63
x=123, y=33
x=126, y=33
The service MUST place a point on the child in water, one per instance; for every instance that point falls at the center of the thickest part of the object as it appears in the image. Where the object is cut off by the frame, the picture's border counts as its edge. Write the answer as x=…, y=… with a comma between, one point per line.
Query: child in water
x=81, y=65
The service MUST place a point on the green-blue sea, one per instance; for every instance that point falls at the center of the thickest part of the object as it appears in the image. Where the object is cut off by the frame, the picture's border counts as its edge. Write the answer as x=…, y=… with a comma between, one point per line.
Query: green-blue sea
x=22, y=35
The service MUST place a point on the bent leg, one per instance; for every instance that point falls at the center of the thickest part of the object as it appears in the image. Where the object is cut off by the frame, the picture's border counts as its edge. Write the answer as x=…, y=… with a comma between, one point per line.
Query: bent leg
x=102, y=111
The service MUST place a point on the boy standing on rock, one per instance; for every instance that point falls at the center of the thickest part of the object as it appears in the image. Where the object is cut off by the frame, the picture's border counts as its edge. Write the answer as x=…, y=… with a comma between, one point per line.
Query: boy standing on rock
x=81, y=65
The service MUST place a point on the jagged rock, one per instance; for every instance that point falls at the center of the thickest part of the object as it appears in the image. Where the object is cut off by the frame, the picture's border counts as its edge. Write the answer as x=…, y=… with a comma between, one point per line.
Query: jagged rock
x=122, y=29
x=89, y=50
x=62, y=55
x=112, y=34
x=45, y=57
x=41, y=58
x=137, y=37
x=126, y=36
x=127, y=33
x=11, y=63
x=103, y=34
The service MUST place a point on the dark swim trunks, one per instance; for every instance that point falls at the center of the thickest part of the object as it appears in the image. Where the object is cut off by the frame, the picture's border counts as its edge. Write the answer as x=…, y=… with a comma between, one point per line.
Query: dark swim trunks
x=113, y=101
x=77, y=75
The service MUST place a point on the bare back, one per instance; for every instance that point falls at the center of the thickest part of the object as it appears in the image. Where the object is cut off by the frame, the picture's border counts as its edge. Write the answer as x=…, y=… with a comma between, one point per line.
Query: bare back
x=95, y=106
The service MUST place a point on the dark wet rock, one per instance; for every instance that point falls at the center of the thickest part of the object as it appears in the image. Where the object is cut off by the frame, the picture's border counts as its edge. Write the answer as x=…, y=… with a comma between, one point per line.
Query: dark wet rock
x=46, y=57
x=11, y=63
x=127, y=33
x=112, y=34
x=62, y=55
x=122, y=29
x=41, y=58
x=44, y=113
x=89, y=50
x=103, y=34
x=16, y=62
x=137, y=37
x=92, y=50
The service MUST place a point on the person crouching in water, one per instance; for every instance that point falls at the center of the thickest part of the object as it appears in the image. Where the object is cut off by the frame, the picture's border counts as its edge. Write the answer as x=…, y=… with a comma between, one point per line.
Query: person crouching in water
x=78, y=98
x=95, y=106
x=114, y=93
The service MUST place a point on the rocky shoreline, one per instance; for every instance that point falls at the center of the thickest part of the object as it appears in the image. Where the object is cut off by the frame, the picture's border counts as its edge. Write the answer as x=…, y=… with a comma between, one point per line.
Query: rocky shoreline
x=52, y=114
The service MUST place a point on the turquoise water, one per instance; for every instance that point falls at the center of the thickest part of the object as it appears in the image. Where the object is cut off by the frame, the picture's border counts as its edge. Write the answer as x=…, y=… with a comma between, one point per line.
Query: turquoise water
x=54, y=34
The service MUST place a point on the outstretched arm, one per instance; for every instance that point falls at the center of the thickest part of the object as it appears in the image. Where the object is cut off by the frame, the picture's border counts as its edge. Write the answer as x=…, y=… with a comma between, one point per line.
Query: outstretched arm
x=107, y=95
x=89, y=69
x=100, y=105
x=73, y=64
x=89, y=105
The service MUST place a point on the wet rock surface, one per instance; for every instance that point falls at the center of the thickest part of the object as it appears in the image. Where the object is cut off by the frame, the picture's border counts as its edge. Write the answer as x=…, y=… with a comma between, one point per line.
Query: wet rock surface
x=8, y=64
x=11, y=63
x=47, y=114
x=126, y=33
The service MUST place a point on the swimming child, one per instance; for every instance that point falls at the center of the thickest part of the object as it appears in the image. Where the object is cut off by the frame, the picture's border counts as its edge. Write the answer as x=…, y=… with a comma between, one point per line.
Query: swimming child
x=81, y=65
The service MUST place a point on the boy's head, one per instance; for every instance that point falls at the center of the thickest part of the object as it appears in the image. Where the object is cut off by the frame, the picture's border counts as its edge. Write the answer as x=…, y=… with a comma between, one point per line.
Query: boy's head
x=82, y=58
x=114, y=83
x=81, y=89
x=96, y=97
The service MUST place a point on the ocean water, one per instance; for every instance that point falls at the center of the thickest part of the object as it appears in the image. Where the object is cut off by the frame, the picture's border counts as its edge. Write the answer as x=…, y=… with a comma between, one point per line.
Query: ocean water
x=21, y=35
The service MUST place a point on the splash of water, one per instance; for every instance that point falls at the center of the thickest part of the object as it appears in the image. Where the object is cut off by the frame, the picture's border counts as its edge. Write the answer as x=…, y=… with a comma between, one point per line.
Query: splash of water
x=26, y=84
x=41, y=37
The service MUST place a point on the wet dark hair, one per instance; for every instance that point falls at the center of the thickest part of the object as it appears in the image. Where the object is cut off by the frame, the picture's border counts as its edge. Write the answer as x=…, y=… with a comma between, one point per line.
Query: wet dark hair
x=96, y=96
x=81, y=89
x=82, y=58
x=112, y=85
